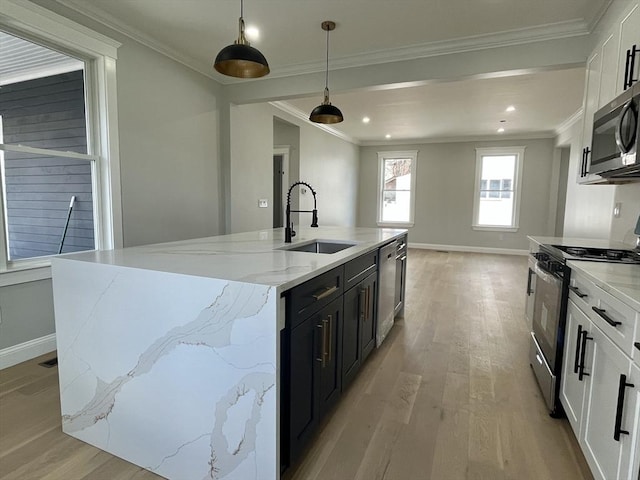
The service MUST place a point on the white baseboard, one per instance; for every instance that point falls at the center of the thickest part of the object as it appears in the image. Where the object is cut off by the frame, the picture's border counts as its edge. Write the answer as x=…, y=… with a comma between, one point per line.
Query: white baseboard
x=26, y=351
x=470, y=249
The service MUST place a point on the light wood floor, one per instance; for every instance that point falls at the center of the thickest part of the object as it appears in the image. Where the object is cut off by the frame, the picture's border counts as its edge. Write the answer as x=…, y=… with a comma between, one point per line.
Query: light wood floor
x=449, y=395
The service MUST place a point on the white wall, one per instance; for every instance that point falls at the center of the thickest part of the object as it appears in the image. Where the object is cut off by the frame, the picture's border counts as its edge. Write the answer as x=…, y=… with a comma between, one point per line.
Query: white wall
x=622, y=228
x=445, y=181
x=328, y=163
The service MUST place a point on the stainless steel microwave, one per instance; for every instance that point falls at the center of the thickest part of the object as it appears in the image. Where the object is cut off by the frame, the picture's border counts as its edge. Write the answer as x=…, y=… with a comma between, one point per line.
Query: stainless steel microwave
x=615, y=152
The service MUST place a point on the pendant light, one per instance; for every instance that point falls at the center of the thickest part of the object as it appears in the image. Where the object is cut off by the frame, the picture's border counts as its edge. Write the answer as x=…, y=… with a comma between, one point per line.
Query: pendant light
x=325, y=112
x=240, y=59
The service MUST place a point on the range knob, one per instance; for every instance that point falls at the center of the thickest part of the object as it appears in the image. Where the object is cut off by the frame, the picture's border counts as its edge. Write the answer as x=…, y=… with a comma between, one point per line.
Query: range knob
x=543, y=257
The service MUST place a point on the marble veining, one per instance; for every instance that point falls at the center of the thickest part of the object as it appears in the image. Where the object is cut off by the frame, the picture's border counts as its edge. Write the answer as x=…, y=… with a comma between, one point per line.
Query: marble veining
x=196, y=398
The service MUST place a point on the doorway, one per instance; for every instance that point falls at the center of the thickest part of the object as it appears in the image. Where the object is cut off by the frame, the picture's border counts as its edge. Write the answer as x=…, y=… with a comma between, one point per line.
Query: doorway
x=280, y=184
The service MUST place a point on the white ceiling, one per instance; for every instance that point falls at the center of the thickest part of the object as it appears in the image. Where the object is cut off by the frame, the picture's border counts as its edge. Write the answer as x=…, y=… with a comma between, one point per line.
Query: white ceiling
x=371, y=32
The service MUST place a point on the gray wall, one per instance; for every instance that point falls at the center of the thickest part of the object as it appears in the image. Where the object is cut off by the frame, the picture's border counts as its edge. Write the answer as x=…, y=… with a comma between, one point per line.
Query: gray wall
x=328, y=163
x=169, y=161
x=565, y=154
x=445, y=188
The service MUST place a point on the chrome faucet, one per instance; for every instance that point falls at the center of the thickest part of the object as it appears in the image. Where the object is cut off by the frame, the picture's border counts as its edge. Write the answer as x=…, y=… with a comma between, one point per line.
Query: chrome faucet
x=289, y=232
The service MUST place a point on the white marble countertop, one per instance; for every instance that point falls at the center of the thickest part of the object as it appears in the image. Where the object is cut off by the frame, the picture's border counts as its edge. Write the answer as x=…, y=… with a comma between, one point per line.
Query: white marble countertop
x=579, y=242
x=251, y=257
x=619, y=279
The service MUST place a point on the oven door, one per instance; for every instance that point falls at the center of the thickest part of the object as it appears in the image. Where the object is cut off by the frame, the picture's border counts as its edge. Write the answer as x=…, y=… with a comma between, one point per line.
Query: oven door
x=546, y=314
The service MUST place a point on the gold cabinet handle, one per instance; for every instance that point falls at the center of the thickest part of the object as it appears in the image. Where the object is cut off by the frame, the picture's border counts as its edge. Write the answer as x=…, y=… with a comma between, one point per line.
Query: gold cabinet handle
x=362, y=302
x=321, y=358
x=324, y=293
x=329, y=336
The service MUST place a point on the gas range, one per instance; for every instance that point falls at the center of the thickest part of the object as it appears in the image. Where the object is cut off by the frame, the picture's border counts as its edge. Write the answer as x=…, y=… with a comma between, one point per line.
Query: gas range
x=564, y=253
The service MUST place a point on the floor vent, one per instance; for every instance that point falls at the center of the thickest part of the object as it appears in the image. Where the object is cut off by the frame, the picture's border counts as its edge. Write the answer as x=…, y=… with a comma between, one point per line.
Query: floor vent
x=49, y=363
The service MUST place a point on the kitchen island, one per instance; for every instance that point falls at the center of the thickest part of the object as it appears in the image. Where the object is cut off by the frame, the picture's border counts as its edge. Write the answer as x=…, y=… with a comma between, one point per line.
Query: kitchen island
x=169, y=354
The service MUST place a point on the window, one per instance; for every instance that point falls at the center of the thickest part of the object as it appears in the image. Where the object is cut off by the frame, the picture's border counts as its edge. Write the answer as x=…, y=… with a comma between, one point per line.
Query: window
x=396, y=191
x=497, y=194
x=56, y=110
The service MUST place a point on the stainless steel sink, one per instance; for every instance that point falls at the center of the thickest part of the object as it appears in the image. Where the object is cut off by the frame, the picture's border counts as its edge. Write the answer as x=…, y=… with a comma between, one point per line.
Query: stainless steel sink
x=318, y=246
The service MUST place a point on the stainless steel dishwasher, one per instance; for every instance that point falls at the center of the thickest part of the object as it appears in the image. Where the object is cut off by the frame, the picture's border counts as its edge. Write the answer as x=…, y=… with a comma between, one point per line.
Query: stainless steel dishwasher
x=386, y=290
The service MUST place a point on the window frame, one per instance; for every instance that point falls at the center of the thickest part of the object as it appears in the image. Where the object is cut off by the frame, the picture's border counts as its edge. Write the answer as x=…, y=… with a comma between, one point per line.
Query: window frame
x=516, y=187
x=39, y=25
x=390, y=155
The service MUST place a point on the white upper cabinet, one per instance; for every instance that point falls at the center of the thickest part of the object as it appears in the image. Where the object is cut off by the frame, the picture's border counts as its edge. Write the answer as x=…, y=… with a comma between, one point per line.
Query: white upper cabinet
x=629, y=50
x=610, y=71
x=591, y=103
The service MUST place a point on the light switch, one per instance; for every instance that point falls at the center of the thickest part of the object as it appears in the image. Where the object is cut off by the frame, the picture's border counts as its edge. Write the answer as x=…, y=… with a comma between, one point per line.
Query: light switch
x=263, y=203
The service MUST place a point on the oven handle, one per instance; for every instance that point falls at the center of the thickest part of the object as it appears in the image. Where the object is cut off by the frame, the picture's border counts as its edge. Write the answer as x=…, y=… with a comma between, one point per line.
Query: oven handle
x=546, y=276
x=529, y=291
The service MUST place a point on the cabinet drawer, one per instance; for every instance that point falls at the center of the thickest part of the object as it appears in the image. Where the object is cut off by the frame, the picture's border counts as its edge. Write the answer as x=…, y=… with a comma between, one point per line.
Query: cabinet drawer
x=311, y=296
x=582, y=292
x=616, y=319
x=360, y=268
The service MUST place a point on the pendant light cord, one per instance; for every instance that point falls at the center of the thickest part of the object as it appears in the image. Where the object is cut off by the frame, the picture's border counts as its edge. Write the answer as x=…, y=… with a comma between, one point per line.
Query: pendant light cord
x=241, y=8
x=326, y=78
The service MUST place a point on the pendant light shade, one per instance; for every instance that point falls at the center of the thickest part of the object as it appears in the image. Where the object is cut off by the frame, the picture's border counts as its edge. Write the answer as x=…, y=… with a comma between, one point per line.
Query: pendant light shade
x=240, y=59
x=325, y=112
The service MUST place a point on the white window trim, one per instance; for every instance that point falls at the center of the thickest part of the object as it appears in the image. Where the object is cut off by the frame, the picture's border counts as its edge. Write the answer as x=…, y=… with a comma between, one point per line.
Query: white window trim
x=518, y=151
x=413, y=155
x=100, y=53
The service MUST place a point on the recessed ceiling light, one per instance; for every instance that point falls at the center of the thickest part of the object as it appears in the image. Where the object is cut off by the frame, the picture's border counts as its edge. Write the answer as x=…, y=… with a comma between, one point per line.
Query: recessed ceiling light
x=511, y=108
x=387, y=136
x=252, y=33
x=501, y=130
x=366, y=119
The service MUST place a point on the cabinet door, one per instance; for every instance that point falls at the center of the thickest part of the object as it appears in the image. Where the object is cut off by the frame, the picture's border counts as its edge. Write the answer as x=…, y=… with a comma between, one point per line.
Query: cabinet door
x=329, y=324
x=354, y=310
x=609, y=75
x=572, y=387
x=369, y=316
x=629, y=37
x=303, y=380
x=600, y=447
x=591, y=99
x=631, y=421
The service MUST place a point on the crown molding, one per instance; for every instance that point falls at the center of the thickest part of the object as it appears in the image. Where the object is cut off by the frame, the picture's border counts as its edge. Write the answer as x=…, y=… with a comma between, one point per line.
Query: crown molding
x=506, y=38
x=597, y=18
x=120, y=26
x=461, y=139
x=299, y=114
x=552, y=31
x=569, y=122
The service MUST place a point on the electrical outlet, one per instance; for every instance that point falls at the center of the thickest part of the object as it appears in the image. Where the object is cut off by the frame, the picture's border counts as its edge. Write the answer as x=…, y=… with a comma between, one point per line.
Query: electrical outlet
x=263, y=203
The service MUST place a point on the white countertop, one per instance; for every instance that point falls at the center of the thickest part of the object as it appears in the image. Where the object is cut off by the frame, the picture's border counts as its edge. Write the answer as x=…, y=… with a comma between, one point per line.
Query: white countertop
x=250, y=257
x=579, y=242
x=619, y=279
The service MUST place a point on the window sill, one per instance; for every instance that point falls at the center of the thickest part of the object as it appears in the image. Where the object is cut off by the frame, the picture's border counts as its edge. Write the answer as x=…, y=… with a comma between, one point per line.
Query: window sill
x=395, y=224
x=496, y=228
x=25, y=273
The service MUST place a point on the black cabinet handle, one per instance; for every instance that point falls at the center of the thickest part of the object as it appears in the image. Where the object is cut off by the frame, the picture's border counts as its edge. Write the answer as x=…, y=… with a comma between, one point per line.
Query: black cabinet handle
x=587, y=151
x=637, y=345
x=581, y=373
x=577, y=291
x=617, y=431
x=582, y=163
x=576, y=362
x=606, y=317
x=629, y=66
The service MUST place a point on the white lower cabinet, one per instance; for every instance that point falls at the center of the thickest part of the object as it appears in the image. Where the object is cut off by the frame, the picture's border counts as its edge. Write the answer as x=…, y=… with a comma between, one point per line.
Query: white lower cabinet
x=573, y=381
x=606, y=403
x=600, y=391
x=631, y=419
